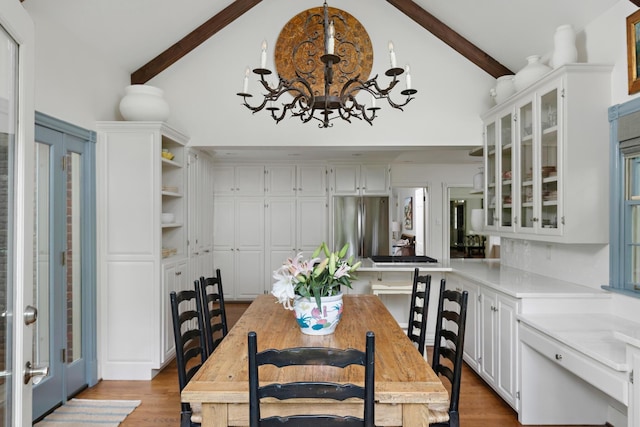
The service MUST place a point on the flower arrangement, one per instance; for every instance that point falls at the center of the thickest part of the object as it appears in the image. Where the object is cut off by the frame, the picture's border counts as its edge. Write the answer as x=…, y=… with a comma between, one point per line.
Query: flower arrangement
x=313, y=278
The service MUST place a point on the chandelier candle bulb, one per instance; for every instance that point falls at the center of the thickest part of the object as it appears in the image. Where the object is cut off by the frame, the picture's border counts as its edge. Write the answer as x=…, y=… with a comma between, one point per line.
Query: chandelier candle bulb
x=407, y=69
x=263, y=55
x=373, y=101
x=392, y=55
x=331, y=40
x=245, y=82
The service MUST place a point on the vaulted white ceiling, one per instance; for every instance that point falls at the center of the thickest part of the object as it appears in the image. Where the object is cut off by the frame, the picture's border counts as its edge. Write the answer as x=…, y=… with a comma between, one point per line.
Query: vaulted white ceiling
x=132, y=32
x=502, y=28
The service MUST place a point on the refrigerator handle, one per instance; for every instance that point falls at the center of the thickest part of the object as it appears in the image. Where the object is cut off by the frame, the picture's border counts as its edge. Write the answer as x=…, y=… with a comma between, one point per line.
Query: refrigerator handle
x=361, y=222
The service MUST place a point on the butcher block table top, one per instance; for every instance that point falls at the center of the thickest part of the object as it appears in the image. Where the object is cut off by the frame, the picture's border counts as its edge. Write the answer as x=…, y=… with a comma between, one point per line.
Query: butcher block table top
x=405, y=384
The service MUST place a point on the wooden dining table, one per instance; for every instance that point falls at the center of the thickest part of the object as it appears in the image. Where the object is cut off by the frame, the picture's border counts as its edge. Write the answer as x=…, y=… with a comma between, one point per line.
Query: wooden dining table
x=405, y=384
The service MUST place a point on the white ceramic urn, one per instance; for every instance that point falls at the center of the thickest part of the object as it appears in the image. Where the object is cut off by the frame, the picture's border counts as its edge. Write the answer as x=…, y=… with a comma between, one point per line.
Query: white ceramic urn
x=564, y=46
x=144, y=103
x=531, y=72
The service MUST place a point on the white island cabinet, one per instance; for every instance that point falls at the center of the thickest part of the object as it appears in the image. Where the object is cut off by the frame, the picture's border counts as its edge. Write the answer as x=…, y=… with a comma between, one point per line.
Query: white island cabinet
x=140, y=250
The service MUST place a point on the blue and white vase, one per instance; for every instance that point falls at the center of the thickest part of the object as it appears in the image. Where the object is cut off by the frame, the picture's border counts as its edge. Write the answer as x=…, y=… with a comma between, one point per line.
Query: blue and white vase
x=318, y=321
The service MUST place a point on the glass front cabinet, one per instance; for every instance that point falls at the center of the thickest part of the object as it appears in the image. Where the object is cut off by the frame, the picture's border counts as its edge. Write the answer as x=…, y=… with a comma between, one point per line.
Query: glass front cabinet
x=546, y=148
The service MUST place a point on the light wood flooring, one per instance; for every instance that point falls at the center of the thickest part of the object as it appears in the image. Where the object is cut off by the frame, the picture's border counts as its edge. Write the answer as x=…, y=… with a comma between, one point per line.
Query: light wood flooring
x=479, y=405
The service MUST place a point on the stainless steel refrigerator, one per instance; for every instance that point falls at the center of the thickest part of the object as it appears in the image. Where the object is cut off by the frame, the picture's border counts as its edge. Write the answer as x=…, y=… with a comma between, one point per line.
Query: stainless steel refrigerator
x=363, y=222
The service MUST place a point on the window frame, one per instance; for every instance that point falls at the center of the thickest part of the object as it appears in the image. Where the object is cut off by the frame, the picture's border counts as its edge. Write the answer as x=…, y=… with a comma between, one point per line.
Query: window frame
x=620, y=227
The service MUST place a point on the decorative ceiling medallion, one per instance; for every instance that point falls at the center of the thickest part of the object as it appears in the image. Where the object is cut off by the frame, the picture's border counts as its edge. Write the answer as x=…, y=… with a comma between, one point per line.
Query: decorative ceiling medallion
x=301, y=44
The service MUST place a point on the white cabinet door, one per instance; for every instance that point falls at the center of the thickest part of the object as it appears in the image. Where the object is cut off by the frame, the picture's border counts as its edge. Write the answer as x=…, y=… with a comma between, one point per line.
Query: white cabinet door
x=280, y=180
x=249, y=180
x=374, y=179
x=224, y=259
x=249, y=223
x=280, y=229
x=311, y=180
x=507, y=335
x=224, y=181
x=312, y=224
x=488, y=334
x=346, y=179
x=168, y=286
x=471, y=338
x=280, y=224
x=249, y=280
x=224, y=223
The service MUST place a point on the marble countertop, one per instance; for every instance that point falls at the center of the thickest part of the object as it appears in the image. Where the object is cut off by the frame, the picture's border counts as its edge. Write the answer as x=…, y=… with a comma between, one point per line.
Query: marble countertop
x=519, y=283
x=595, y=335
x=631, y=337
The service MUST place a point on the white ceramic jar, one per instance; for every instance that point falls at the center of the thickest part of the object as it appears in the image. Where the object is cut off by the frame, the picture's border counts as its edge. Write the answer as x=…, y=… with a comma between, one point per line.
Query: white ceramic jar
x=531, y=72
x=144, y=103
x=504, y=88
x=564, y=46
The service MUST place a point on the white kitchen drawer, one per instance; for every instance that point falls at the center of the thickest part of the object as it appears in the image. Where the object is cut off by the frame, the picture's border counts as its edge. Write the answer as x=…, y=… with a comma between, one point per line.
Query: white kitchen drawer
x=614, y=383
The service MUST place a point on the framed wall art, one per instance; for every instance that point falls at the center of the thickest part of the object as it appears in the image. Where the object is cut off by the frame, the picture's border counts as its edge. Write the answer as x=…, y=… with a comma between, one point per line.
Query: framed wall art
x=633, y=51
x=408, y=213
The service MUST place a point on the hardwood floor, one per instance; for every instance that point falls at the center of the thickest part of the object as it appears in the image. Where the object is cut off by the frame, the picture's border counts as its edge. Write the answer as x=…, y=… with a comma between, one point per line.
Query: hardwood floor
x=479, y=405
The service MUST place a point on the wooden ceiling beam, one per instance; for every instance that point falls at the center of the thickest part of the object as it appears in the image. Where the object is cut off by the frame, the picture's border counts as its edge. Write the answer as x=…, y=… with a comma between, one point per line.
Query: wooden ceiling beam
x=452, y=38
x=636, y=2
x=191, y=41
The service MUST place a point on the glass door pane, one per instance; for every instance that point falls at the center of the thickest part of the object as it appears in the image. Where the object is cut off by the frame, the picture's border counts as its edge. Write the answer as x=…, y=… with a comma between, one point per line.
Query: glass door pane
x=490, y=171
x=525, y=133
x=506, y=167
x=8, y=121
x=549, y=160
x=74, y=258
x=42, y=247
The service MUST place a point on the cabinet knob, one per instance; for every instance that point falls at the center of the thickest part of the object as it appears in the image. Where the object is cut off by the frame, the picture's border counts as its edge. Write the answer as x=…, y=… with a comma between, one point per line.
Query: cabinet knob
x=178, y=273
x=299, y=189
x=558, y=356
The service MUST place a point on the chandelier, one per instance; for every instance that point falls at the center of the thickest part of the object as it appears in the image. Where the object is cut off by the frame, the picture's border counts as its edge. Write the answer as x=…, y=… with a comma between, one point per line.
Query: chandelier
x=323, y=57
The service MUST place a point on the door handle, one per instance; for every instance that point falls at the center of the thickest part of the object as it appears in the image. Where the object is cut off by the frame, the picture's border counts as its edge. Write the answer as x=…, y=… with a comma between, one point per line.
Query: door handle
x=34, y=372
x=30, y=314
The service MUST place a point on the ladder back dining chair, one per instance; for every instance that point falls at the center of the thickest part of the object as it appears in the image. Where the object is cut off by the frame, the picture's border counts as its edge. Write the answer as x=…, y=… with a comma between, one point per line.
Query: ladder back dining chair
x=213, y=310
x=307, y=389
x=417, y=326
x=447, y=352
x=190, y=347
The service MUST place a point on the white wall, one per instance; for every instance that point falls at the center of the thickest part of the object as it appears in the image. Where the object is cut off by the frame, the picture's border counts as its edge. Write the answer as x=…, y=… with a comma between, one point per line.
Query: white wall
x=73, y=82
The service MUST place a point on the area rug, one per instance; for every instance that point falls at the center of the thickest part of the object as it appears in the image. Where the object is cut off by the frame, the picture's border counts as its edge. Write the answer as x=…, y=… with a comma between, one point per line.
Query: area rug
x=89, y=412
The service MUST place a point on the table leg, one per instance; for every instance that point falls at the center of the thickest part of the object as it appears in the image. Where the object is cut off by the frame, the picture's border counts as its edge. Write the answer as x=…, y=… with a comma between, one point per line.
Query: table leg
x=214, y=415
x=415, y=415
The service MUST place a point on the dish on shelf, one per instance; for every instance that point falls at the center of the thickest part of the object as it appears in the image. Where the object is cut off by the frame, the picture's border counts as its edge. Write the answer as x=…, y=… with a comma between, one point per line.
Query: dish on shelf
x=547, y=170
x=167, y=252
x=167, y=154
x=167, y=218
x=506, y=175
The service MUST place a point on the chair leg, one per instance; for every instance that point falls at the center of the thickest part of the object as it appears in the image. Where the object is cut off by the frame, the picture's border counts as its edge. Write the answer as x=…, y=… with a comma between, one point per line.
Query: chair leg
x=454, y=419
x=185, y=419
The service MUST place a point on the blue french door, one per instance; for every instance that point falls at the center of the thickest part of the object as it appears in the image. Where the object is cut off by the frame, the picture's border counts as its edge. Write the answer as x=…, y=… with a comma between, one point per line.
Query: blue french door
x=64, y=277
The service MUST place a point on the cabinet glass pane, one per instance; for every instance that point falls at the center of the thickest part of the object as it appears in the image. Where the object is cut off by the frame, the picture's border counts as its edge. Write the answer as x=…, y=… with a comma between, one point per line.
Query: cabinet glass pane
x=506, y=170
x=490, y=168
x=549, y=159
x=525, y=132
